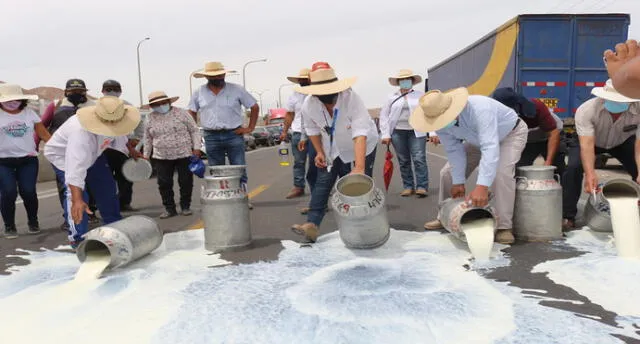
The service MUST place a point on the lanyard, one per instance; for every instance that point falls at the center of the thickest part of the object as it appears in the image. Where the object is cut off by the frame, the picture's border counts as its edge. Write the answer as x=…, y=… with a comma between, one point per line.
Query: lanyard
x=331, y=131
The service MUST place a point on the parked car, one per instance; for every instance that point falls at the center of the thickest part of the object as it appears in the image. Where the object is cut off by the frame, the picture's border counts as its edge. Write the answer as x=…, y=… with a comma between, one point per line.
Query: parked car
x=263, y=137
x=275, y=131
x=249, y=142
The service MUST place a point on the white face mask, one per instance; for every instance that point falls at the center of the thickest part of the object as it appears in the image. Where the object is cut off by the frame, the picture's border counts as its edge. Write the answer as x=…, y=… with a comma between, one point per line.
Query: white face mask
x=113, y=94
x=162, y=109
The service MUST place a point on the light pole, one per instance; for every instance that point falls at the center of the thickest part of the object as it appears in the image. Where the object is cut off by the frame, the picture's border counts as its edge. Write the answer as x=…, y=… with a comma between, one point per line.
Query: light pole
x=280, y=93
x=244, y=81
x=139, y=72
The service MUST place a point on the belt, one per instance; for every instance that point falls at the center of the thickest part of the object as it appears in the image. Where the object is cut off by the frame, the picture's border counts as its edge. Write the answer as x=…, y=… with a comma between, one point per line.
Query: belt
x=517, y=123
x=219, y=130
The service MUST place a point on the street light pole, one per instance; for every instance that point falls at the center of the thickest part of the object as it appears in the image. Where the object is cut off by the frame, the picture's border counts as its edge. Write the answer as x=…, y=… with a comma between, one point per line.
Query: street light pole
x=139, y=71
x=280, y=93
x=244, y=81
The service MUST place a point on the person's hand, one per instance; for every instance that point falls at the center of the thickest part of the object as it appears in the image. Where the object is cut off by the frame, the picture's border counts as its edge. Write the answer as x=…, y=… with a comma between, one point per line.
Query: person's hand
x=479, y=197
x=357, y=170
x=302, y=145
x=242, y=131
x=78, y=209
x=548, y=163
x=145, y=157
x=457, y=191
x=386, y=141
x=283, y=137
x=591, y=183
x=320, y=160
x=435, y=140
x=197, y=153
x=623, y=54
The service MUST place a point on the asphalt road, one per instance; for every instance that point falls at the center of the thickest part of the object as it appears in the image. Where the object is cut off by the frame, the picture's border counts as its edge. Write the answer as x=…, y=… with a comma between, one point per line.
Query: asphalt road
x=273, y=215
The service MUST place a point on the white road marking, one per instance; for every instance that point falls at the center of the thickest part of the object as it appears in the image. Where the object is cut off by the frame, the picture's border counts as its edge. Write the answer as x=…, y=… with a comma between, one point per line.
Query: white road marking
x=42, y=195
x=438, y=155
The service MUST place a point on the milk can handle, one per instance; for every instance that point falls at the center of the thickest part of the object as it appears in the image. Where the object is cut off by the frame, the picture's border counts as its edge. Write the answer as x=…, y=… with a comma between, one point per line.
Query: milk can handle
x=557, y=178
x=521, y=179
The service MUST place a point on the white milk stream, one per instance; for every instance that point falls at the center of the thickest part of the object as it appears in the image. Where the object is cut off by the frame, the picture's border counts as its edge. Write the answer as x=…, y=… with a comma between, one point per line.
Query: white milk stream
x=479, y=234
x=625, y=221
x=93, y=266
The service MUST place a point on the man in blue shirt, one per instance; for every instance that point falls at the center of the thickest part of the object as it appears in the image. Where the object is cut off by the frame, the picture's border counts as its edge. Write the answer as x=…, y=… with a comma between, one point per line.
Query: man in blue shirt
x=475, y=131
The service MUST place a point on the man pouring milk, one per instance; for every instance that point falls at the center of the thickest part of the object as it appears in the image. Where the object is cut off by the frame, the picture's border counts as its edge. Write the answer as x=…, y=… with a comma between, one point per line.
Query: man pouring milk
x=608, y=123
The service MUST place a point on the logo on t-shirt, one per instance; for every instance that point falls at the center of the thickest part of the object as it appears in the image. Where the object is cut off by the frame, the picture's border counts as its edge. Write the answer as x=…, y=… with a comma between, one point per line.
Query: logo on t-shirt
x=15, y=129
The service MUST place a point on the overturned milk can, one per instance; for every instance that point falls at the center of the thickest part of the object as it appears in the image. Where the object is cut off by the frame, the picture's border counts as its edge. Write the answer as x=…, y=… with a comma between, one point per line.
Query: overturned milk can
x=225, y=208
x=537, y=213
x=454, y=212
x=597, y=214
x=126, y=240
x=360, y=212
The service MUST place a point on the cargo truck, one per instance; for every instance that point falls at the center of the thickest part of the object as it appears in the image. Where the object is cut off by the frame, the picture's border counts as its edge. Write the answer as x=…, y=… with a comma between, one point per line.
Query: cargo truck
x=556, y=58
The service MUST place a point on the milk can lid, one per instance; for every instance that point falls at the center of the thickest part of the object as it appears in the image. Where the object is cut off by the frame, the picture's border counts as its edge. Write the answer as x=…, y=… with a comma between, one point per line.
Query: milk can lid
x=136, y=171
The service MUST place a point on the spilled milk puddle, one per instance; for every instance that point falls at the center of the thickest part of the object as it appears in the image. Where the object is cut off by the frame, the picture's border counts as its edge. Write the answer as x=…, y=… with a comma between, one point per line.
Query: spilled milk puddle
x=414, y=289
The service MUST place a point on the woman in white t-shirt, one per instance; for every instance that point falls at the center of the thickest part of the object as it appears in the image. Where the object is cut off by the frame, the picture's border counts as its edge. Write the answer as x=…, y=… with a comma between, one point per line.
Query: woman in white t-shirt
x=18, y=157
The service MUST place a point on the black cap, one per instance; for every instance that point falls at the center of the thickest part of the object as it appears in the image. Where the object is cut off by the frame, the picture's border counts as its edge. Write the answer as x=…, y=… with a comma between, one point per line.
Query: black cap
x=75, y=84
x=516, y=101
x=111, y=83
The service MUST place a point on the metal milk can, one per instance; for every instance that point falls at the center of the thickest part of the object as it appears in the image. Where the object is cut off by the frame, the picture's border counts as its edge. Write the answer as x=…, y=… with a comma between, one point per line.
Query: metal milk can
x=225, y=208
x=454, y=212
x=126, y=240
x=537, y=213
x=597, y=215
x=360, y=211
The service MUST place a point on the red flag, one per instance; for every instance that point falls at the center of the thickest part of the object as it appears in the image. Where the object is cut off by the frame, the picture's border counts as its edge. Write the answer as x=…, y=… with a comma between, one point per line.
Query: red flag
x=388, y=168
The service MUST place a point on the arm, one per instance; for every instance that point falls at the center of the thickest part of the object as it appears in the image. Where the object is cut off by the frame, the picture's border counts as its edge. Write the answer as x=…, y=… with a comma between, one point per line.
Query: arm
x=42, y=132
x=552, y=146
x=253, y=118
x=385, y=131
x=148, y=141
x=194, y=106
x=487, y=128
x=361, y=123
x=47, y=116
x=194, y=131
x=457, y=156
x=360, y=150
x=588, y=156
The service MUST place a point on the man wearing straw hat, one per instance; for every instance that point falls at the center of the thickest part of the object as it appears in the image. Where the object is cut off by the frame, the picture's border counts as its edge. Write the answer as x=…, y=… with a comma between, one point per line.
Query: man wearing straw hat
x=610, y=124
x=75, y=151
x=299, y=139
x=219, y=104
x=342, y=132
x=494, y=138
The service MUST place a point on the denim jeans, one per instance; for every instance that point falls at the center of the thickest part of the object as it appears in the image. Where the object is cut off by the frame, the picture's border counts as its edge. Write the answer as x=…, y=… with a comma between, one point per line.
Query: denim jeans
x=325, y=182
x=410, y=148
x=225, y=143
x=18, y=175
x=300, y=161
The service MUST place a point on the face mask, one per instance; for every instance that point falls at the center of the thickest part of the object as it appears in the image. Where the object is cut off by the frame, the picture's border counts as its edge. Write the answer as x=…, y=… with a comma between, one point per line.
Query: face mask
x=451, y=124
x=304, y=83
x=615, y=107
x=113, y=94
x=328, y=98
x=216, y=82
x=406, y=84
x=76, y=98
x=162, y=109
x=12, y=105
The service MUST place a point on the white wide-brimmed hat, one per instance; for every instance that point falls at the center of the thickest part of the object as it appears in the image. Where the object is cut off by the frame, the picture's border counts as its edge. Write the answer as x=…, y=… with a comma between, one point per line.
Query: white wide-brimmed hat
x=109, y=117
x=159, y=96
x=405, y=74
x=304, y=74
x=212, y=69
x=323, y=80
x=14, y=92
x=609, y=93
x=437, y=109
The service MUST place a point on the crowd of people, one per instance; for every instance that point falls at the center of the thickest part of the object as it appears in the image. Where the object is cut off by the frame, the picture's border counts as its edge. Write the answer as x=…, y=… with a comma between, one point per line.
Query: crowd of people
x=87, y=142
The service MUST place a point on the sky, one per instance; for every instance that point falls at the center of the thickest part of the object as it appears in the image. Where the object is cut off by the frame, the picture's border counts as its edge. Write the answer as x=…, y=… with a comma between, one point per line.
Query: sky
x=47, y=42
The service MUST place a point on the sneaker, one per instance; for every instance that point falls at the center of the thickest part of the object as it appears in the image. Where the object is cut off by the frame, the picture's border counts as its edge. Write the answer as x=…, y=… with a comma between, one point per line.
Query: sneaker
x=309, y=230
x=305, y=210
x=406, y=193
x=126, y=208
x=74, y=244
x=433, y=225
x=422, y=193
x=568, y=224
x=34, y=229
x=295, y=193
x=505, y=236
x=10, y=232
x=186, y=212
x=250, y=206
x=93, y=219
x=65, y=226
x=167, y=214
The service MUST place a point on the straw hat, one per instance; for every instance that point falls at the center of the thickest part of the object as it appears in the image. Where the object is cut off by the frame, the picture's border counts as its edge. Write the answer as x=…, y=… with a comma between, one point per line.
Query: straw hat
x=438, y=109
x=609, y=93
x=109, y=117
x=212, y=69
x=14, y=92
x=304, y=74
x=323, y=81
x=405, y=74
x=159, y=96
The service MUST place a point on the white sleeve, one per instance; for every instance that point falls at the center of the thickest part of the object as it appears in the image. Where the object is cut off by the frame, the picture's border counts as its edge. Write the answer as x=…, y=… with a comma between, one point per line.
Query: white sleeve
x=385, y=119
x=80, y=155
x=361, y=119
x=311, y=128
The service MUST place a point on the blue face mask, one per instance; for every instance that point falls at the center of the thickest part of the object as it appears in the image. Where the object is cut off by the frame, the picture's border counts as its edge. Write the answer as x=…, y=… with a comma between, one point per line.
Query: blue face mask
x=451, y=124
x=162, y=109
x=405, y=84
x=615, y=107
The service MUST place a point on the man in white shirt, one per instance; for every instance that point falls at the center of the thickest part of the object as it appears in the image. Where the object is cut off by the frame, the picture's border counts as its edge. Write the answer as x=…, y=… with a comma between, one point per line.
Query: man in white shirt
x=299, y=145
x=75, y=150
x=342, y=132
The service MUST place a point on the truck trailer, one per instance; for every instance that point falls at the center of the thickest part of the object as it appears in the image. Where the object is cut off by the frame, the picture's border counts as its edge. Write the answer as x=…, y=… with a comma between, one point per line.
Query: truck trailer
x=556, y=58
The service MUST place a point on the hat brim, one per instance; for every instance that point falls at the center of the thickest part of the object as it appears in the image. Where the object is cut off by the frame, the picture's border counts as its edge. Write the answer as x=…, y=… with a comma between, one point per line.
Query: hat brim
x=171, y=100
x=10, y=97
x=90, y=122
x=600, y=92
x=216, y=73
x=394, y=81
x=296, y=79
x=422, y=123
x=329, y=88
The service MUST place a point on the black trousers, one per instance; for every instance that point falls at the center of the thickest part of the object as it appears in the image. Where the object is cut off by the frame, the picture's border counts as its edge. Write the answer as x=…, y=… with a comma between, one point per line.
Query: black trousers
x=572, y=178
x=166, y=169
x=125, y=188
x=535, y=149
